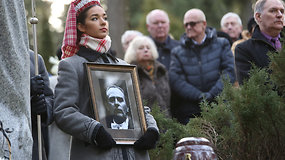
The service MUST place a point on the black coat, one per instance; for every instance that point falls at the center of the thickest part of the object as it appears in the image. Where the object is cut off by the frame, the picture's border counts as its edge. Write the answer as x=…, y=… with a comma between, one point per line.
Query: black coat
x=48, y=117
x=164, y=50
x=197, y=69
x=251, y=51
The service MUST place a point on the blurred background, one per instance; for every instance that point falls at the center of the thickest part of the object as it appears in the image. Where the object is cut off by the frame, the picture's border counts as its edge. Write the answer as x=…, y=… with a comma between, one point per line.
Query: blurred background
x=127, y=14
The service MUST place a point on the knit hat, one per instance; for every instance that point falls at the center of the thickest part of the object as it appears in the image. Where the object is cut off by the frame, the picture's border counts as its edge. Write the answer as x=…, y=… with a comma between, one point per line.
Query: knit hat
x=69, y=46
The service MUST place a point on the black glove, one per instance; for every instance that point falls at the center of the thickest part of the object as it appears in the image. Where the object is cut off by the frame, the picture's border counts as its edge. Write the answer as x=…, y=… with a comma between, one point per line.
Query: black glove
x=103, y=139
x=39, y=106
x=148, y=140
x=37, y=85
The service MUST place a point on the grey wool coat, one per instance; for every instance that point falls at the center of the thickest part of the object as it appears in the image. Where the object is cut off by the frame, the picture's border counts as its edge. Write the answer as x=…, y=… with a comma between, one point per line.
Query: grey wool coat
x=73, y=112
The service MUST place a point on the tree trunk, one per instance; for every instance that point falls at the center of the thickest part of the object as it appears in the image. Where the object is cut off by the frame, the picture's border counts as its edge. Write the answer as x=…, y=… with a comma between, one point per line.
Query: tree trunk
x=117, y=24
x=247, y=11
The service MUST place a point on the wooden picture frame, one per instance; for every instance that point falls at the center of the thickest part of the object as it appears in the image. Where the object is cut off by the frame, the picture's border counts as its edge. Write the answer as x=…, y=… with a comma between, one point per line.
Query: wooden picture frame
x=104, y=79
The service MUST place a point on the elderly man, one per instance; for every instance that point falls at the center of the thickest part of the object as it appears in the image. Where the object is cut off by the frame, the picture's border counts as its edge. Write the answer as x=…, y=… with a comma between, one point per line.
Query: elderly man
x=269, y=15
x=198, y=65
x=128, y=36
x=157, y=23
x=232, y=25
x=119, y=111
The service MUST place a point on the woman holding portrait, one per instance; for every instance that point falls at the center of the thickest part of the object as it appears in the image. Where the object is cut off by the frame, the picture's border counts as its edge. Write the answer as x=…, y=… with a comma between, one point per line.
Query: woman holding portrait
x=86, y=40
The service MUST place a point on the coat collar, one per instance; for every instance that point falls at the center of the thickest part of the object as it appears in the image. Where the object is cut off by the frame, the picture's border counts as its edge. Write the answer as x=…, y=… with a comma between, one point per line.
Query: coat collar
x=167, y=44
x=92, y=55
x=159, y=69
x=257, y=35
x=211, y=33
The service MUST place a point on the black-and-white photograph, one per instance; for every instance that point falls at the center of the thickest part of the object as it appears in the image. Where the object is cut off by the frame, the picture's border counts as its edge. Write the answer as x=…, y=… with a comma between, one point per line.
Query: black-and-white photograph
x=116, y=103
x=118, y=112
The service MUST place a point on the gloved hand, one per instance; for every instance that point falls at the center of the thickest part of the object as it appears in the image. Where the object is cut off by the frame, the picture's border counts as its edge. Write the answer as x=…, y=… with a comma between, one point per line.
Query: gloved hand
x=103, y=139
x=38, y=103
x=148, y=140
x=37, y=85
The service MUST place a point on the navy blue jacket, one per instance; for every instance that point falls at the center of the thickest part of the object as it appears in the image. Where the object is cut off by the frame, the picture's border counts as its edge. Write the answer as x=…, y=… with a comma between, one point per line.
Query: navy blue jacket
x=197, y=69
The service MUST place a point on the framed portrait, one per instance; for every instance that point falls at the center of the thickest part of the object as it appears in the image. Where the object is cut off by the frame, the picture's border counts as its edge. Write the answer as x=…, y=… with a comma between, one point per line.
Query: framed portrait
x=117, y=101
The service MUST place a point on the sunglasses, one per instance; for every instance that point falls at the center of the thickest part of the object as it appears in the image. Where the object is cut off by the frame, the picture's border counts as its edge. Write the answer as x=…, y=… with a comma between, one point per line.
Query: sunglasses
x=192, y=24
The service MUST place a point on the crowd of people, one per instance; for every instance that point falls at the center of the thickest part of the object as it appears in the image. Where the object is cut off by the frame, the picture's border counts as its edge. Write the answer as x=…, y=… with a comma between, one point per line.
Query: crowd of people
x=175, y=75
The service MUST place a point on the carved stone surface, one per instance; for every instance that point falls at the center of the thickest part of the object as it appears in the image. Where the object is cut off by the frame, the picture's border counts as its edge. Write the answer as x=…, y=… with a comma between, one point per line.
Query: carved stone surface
x=14, y=80
x=193, y=148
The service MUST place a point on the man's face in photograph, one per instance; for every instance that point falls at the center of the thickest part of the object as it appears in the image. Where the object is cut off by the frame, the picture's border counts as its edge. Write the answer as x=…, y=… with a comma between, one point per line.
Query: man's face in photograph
x=117, y=104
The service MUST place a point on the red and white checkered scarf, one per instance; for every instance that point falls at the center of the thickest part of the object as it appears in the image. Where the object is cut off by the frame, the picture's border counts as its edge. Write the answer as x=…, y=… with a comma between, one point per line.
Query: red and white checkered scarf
x=69, y=46
x=99, y=45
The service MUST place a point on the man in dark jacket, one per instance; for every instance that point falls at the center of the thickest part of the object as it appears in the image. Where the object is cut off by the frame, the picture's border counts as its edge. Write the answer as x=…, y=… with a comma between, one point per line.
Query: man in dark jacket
x=269, y=15
x=198, y=66
x=41, y=104
x=157, y=23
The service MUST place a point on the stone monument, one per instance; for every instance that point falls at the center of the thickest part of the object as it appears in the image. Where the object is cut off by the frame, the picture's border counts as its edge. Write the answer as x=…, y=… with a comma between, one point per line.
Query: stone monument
x=14, y=82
